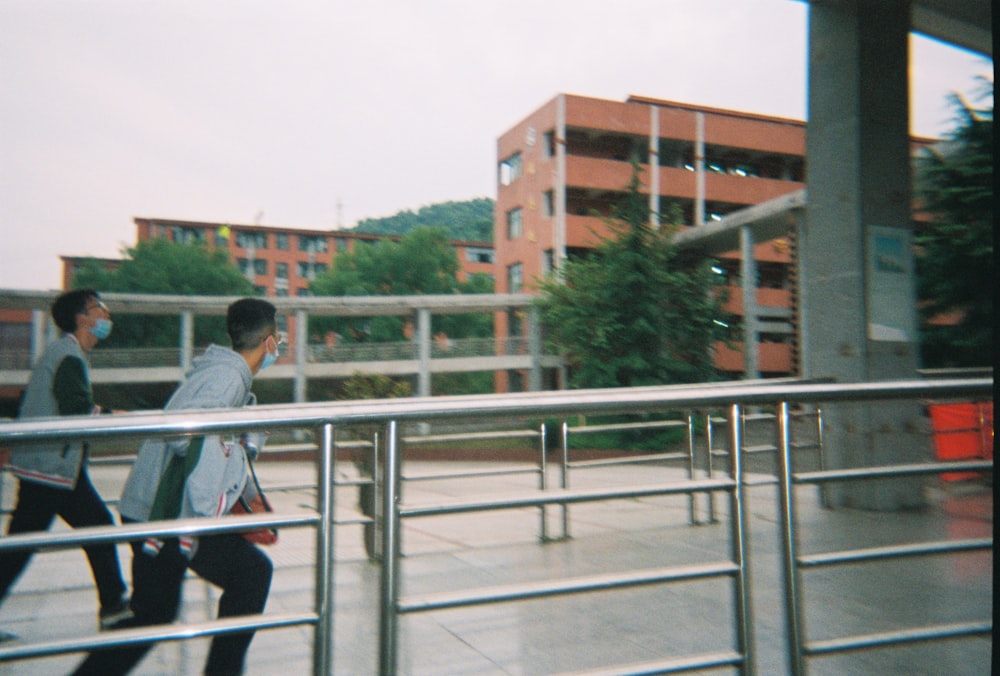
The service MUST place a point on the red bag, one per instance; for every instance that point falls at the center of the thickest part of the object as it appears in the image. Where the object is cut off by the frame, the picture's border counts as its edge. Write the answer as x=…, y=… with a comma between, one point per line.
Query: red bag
x=261, y=536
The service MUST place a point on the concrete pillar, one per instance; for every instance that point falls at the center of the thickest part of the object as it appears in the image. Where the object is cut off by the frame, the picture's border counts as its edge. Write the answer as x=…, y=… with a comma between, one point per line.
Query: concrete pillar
x=748, y=273
x=535, y=348
x=187, y=340
x=857, y=265
x=424, y=352
x=301, y=393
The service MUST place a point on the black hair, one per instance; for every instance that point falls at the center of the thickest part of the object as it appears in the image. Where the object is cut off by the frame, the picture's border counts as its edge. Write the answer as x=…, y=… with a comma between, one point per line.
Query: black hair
x=249, y=322
x=67, y=306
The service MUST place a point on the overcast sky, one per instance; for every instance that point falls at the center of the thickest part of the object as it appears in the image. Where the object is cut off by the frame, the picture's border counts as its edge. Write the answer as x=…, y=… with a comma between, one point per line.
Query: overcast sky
x=315, y=114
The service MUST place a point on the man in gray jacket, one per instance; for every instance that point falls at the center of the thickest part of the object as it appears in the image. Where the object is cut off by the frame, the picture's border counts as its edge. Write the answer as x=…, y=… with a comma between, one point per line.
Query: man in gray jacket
x=200, y=477
x=52, y=476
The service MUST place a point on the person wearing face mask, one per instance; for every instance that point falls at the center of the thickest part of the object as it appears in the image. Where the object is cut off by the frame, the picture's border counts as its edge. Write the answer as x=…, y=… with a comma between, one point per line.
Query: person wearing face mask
x=200, y=477
x=52, y=476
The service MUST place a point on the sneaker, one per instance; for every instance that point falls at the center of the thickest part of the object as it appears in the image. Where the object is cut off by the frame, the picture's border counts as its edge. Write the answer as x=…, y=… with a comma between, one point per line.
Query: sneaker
x=112, y=615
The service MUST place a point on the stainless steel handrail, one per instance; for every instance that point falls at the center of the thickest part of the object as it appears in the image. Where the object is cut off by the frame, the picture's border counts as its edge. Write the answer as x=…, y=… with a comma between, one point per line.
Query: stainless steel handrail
x=390, y=414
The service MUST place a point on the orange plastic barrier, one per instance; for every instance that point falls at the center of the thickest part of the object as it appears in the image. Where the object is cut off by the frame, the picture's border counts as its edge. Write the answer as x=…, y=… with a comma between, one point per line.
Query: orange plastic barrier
x=962, y=432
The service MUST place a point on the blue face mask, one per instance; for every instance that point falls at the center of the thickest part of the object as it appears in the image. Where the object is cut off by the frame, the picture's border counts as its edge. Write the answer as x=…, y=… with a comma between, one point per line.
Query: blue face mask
x=102, y=329
x=269, y=358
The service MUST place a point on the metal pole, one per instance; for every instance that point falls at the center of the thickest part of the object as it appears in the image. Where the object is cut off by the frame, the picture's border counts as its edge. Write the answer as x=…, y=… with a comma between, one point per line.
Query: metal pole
x=691, y=497
x=542, y=481
x=824, y=494
x=323, y=647
x=793, y=617
x=711, y=469
x=565, y=475
x=738, y=521
x=388, y=626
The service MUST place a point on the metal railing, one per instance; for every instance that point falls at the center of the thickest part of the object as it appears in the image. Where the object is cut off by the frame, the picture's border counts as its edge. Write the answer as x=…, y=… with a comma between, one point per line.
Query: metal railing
x=795, y=563
x=389, y=415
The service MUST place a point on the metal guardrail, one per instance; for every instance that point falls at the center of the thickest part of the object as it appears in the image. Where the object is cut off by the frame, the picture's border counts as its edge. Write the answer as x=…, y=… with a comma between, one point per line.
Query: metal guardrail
x=794, y=563
x=390, y=414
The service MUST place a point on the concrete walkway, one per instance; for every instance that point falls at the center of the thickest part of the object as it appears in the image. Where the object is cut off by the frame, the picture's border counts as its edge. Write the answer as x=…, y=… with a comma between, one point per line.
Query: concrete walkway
x=571, y=634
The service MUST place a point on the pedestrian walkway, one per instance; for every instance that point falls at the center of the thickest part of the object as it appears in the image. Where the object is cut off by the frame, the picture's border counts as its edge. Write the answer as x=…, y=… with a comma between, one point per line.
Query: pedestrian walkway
x=571, y=634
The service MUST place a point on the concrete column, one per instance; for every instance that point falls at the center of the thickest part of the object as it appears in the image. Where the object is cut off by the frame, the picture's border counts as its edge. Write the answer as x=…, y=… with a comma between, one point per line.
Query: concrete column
x=535, y=349
x=423, y=337
x=859, y=273
x=39, y=322
x=654, y=167
x=748, y=273
x=301, y=346
x=187, y=340
x=699, y=168
x=559, y=232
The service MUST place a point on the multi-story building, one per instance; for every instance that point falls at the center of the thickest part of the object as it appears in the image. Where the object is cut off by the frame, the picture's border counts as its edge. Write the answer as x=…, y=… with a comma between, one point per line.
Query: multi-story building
x=280, y=261
x=562, y=167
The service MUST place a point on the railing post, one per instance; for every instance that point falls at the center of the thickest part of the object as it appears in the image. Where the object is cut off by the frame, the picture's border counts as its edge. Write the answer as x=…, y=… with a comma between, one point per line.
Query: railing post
x=389, y=620
x=565, y=476
x=543, y=482
x=323, y=647
x=692, y=517
x=711, y=468
x=793, y=617
x=738, y=524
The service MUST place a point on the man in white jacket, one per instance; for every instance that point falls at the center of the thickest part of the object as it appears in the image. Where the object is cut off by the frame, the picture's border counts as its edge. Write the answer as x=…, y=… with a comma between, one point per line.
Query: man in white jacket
x=200, y=477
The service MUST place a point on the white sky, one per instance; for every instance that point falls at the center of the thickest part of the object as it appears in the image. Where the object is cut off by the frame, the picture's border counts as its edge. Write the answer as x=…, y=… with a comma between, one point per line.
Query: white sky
x=223, y=110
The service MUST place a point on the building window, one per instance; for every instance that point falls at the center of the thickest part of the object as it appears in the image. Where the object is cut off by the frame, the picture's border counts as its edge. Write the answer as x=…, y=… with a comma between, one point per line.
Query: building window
x=185, y=235
x=341, y=244
x=259, y=266
x=251, y=240
x=260, y=290
x=515, y=278
x=548, y=204
x=478, y=254
x=549, y=144
x=313, y=243
x=303, y=291
x=510, y=169
x=281, y=241
x=515, y=223
x=281, y=270
x=548, y=261
x=281, y=292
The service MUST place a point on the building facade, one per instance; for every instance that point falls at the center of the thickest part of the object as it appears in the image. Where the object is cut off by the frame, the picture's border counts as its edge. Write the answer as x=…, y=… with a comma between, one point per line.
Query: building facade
x=562, y=167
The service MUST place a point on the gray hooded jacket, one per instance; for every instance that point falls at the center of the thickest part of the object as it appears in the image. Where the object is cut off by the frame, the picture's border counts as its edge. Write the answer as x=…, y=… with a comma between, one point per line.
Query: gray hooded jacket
x=220, y=378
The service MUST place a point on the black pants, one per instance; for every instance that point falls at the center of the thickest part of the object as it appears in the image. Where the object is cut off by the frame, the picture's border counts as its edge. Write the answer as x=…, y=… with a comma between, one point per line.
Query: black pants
x=228, y=561
x=37, y=506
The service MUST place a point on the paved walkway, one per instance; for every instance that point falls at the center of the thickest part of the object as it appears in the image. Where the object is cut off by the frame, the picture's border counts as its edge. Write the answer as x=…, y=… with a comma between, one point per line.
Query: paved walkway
x=55, y=597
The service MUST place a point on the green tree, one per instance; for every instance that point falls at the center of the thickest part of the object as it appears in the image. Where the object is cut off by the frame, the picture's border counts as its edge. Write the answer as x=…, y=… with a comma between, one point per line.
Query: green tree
x=636, y=311
x=470, y=220
x=421, y=262
x=955, y=269
x=159, y=266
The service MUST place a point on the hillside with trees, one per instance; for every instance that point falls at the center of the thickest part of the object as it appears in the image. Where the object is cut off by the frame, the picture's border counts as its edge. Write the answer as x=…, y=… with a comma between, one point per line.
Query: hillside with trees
x=469, y=220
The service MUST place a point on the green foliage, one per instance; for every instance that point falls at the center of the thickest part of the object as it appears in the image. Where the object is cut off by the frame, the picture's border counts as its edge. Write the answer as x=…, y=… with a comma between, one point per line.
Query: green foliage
x=955, y=269
x=636, y=311
x=470, y=220
x=422, y=262
x=159, y=266
x=373, y=386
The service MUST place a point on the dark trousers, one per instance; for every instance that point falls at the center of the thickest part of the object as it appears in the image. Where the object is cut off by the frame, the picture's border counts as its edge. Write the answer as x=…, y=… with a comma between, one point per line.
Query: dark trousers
x=229, y=562
x=37, y=506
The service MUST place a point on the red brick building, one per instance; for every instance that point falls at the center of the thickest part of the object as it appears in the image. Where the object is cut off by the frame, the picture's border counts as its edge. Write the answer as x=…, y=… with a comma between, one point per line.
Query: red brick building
x=562, y=167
